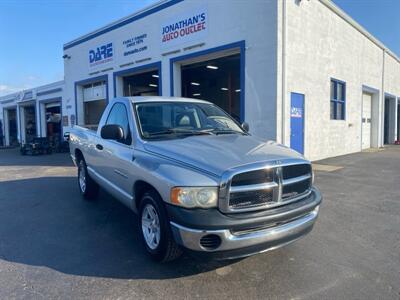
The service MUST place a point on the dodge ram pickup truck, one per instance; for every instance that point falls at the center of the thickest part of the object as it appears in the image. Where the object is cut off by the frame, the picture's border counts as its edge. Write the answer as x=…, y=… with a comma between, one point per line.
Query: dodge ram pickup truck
x=196, y=178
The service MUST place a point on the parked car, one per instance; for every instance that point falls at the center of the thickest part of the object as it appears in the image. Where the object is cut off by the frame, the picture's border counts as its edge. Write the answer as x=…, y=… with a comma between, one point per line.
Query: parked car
x=196, y=178
x=37, y=146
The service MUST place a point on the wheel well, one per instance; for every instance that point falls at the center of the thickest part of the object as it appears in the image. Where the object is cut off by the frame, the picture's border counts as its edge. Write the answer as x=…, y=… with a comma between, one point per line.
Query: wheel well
x=78, y=155
x=139, y=189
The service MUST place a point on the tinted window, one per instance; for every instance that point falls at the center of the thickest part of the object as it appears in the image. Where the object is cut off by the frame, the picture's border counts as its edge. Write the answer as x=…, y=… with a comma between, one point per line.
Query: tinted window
x=119, y=116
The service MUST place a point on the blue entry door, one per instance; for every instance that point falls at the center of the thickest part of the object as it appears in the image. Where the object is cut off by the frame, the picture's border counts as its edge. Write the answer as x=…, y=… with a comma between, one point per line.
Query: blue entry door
x=297, y=122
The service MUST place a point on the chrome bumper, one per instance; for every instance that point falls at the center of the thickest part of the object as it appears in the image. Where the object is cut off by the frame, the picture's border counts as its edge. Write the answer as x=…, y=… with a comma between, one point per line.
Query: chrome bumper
x=271, y=237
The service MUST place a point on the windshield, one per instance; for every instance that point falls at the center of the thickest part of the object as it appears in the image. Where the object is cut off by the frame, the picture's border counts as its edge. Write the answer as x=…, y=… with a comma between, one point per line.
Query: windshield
x=178, y=119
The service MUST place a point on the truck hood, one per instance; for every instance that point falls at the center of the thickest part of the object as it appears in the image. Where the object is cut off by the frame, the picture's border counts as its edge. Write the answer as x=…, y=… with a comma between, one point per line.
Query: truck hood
x=218, y=153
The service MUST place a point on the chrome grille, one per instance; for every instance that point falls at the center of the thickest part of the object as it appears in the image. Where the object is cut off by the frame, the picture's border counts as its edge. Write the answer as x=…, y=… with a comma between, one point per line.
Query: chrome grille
x=252, y=177
x=261, y=187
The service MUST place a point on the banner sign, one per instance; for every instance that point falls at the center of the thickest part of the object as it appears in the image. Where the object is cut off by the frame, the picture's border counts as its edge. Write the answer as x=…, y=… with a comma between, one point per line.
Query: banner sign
x=135, y=44
x=101, y=55
x=190, y=26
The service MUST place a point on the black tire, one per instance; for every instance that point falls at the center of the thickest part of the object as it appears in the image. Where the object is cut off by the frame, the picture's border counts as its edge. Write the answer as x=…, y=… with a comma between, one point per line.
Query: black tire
x=89, y=188
x=167, y=249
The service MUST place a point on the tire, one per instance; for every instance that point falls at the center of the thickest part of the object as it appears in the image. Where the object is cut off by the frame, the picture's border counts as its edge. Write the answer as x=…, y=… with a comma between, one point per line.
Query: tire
x=163, y=247
x=88, y=188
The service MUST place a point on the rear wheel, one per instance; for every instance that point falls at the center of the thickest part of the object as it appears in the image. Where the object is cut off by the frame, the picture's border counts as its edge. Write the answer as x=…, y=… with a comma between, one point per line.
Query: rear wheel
x=155, y=229
x=88, y=188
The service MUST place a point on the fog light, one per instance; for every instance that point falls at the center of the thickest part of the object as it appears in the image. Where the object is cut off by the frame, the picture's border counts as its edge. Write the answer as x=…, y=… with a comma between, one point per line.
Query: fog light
x=210, y=241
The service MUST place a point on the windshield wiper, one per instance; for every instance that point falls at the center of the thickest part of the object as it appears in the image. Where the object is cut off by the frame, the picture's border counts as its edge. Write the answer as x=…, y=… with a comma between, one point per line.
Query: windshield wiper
x=226, y=131
x=179, y=131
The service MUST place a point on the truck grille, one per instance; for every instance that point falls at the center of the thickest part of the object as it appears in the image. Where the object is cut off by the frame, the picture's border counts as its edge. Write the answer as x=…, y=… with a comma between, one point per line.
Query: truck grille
x=268, y=187
x=250, y=198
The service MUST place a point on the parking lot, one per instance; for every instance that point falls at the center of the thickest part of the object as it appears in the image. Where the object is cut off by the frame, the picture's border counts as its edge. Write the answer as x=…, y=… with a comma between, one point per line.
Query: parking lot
x=55, y=245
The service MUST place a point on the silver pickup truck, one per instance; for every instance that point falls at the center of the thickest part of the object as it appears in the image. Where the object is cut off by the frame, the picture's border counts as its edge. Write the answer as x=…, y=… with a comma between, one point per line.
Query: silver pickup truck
x=196, y=178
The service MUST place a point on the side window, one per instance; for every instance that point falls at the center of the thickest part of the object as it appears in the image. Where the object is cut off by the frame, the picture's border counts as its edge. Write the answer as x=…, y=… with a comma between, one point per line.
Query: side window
x=119, y=116
x=338, y=100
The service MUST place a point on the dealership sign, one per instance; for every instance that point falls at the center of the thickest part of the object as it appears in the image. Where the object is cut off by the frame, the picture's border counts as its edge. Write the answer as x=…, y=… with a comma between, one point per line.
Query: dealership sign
x=101, y=55
x=190, y=26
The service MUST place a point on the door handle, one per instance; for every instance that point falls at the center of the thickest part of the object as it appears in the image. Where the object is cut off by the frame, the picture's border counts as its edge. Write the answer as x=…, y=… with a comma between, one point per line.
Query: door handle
x=99, y=147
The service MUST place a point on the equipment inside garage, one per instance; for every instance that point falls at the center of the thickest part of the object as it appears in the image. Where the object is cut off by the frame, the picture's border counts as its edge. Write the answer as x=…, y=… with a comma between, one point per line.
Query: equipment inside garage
x=216, y=80
x=94, y=100
x=53, y=122
x=12, y=126
x=29, y=122
x=389, y=120
x=143, y=84
x=398, y=122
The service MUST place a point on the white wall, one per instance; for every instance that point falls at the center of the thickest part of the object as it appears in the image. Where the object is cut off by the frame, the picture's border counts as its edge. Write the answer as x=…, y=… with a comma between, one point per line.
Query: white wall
x=228, y=22
x=321, y=45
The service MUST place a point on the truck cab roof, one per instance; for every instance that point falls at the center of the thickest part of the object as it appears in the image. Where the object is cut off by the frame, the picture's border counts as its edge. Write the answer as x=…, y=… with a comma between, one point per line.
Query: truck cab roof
x=141, y=99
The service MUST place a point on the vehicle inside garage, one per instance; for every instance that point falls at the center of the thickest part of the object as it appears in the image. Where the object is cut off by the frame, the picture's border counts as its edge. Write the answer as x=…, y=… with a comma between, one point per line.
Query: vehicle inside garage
x=216, y=80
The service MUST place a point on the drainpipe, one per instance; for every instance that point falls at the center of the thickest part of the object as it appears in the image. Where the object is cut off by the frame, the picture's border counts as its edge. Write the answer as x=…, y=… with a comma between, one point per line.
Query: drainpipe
x=283, y=109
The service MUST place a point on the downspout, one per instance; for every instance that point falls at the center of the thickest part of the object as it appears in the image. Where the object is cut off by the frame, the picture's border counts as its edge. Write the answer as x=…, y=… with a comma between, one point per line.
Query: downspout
x=283, y=108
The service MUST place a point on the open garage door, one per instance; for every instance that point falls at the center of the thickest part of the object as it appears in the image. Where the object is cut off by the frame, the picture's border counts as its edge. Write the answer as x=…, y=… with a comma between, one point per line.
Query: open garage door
x=53, y=122
x=216, y=80
x=94, y=101
x=366, y=121
x=10, y=127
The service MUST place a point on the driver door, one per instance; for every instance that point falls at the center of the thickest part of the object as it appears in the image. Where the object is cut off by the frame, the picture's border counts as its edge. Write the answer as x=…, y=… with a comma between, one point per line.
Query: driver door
x=115, y=156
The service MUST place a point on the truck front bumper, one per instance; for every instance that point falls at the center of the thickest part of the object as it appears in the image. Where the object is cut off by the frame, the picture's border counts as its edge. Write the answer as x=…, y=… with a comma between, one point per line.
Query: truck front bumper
x=247, y=239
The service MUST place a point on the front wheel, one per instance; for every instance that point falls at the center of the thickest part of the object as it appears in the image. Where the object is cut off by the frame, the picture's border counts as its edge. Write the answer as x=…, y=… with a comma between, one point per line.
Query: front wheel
x=155, y=229
x=88, y=188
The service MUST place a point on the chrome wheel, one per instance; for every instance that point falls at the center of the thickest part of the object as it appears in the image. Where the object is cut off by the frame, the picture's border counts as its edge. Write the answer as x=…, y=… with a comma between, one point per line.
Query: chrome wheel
x=151, y=226
x=82, y=177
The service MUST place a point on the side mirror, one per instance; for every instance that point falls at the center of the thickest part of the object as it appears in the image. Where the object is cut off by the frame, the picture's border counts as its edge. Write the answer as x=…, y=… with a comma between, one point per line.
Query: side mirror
x=66, y=136
x=245, y=126
x=112, y=132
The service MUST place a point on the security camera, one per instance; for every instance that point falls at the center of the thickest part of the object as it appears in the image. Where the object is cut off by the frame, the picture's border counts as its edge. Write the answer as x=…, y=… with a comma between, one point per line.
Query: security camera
x=66, y=56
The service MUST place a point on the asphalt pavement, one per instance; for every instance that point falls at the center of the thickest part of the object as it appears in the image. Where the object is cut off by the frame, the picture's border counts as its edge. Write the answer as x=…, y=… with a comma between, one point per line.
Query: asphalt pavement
x=55, y=245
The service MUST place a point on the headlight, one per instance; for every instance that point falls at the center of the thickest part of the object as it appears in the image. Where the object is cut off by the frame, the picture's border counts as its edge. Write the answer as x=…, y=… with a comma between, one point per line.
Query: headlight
x=203, y=197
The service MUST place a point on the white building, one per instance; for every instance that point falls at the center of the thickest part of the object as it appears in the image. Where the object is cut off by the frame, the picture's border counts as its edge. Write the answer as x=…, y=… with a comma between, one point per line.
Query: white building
x=32, y=113
x=301, y=72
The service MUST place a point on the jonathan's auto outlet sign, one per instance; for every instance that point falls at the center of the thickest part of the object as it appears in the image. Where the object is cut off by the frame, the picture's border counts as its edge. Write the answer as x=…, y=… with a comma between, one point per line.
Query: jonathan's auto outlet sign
x=184, y=28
